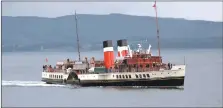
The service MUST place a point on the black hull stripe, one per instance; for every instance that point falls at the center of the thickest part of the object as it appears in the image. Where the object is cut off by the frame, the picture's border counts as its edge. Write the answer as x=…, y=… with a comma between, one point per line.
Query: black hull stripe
x=160, y=82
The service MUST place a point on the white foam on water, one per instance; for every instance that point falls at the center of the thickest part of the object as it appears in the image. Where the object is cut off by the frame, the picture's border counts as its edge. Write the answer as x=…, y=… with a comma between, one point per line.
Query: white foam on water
x=29, y=83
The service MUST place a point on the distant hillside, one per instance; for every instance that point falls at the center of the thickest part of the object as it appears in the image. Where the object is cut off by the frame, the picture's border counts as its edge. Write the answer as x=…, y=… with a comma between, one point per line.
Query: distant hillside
x=30, y=33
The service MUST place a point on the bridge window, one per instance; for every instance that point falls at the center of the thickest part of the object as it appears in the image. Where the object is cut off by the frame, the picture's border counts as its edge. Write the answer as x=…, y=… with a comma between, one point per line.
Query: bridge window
x=116, y=76
x=141, y=66
x=134, y=65
x=147, y=65
x=137, y=76
x=120, y=76
x=126, y=76
x=147, y=75
x=123, y=76
x=140, y=76
x=154, y=64
x=144, y=75
x=129, y=76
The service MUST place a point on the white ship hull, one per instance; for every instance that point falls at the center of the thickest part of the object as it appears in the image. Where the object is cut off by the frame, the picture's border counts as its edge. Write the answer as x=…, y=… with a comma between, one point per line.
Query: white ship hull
x=173, y=77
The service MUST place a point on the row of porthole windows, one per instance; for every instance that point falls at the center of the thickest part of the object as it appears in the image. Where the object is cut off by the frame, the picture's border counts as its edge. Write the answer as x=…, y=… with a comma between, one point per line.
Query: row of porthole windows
x=86, y=76
x=129, y=76
x=142, y=75
x=56, y=76
x=123, y=76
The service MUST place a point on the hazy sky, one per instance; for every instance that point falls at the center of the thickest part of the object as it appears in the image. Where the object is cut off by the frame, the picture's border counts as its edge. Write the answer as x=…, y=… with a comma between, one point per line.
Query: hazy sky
x=211, y=11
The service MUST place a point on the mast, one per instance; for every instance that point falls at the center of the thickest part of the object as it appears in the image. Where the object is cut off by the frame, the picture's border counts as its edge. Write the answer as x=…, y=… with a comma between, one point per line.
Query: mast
x=78, y=46
x=157, y=27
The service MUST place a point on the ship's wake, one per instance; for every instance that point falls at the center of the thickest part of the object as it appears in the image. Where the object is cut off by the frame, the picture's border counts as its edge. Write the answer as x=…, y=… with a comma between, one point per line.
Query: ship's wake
x=29, y=83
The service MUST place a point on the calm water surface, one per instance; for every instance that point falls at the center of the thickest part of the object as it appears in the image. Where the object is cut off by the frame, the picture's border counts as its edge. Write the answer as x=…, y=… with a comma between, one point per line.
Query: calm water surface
x=21, y=85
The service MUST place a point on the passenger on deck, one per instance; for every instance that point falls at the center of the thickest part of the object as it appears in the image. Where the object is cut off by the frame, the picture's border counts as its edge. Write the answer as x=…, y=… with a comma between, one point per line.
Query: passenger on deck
x=44, y=68
x=168, y=66
x=110, y=70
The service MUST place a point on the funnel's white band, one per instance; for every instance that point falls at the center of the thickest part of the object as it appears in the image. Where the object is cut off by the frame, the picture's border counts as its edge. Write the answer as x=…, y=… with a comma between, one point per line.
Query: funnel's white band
x=108, y=49
x=122, y=48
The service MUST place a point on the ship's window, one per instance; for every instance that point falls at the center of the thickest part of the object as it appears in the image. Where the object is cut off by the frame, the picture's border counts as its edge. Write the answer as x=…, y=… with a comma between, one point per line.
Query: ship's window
x=129, y=76
x=113, y=75
x=154, y=64
x=116, y=76
x=61, y=77
x=123, y=76
x=56, y=76
x=137, y=76
x=126, y=76
x=142, y=56
x=147, y=65
x=140, y=76
x=125, y=61
x=53, y=76
x=134, y=65
x=144, y=75
x=120, y=76
x=147, y=75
